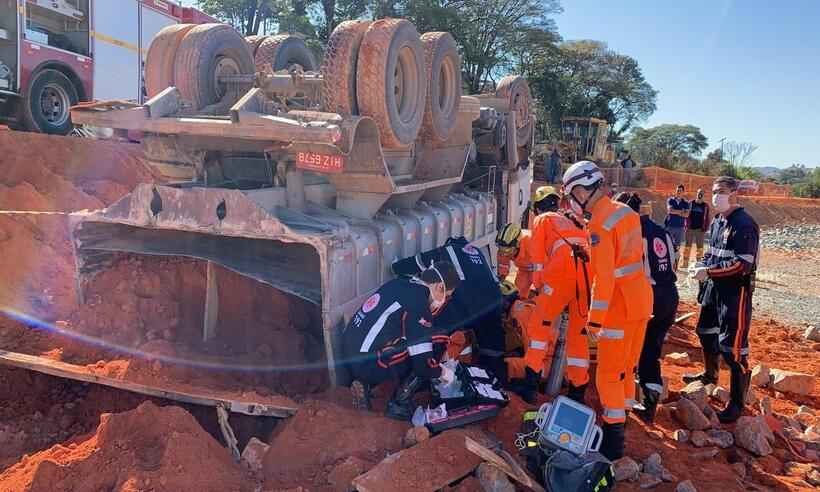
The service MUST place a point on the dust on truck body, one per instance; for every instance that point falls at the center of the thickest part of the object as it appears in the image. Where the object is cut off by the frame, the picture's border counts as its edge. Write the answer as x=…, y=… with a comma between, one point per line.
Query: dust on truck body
x=311, y=181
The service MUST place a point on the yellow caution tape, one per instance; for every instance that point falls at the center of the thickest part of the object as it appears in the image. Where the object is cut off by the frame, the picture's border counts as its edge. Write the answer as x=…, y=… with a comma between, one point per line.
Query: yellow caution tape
x=116, y=42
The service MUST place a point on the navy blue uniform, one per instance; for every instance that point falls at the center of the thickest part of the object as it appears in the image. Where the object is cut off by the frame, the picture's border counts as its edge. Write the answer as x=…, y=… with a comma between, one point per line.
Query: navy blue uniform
x=726, y=295
x=659, y=255
x=476, y=303
x=392, y=334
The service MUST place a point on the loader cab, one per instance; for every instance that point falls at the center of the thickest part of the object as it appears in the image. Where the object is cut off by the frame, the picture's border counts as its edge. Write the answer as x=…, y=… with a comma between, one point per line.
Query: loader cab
x=9, y=48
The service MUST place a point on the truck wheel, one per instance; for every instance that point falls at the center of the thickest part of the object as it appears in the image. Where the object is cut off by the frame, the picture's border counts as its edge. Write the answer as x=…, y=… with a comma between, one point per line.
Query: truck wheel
x=515, y=89
x=391, y=82
x=159, y=62
x=339, y=68
x=444, y=90
x=207, y=52
x=254, y=42
x=47, y=103
x=282, y=52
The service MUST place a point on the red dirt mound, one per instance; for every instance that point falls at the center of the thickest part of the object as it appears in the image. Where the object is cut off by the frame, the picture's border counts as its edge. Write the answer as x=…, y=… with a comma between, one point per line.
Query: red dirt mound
x=148, y=448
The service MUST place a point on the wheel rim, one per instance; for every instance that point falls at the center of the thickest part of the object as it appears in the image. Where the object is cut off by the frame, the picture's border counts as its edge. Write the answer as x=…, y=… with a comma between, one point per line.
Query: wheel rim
x=224, y=66
x=405, y=85
x=446, y=96
x=54, y=104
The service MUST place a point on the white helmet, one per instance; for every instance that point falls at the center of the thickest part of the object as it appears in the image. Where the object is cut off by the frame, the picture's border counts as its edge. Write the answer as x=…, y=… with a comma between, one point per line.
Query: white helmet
x=584, y=173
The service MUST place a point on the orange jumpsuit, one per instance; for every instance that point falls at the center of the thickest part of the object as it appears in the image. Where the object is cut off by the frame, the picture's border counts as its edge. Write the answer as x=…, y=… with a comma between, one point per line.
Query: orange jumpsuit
x=621, y=303
x=558, y=278
x=523, y=263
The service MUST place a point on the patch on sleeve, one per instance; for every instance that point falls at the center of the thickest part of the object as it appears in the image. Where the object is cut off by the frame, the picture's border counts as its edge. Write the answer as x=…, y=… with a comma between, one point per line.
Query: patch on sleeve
x=423, y=322
x=594, y=239
x=470, y=250
x=371, y=303
x=659, y=246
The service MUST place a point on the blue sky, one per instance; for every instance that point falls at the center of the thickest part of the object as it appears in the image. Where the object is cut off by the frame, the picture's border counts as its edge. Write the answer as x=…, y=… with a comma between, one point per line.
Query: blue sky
x=746, y=70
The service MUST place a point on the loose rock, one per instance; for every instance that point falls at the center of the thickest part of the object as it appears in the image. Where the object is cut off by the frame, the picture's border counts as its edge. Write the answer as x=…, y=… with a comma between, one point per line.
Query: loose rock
x=812, y=333
x=677, y=359
x=690, y=415
x=648, y=481
x=805, y=409
x=760, y=375
x=492, y=479
x=793, y=469
x=766, y=406
x=681, y=435
x=706, y=455
x=805, y=419
x=699, y=439
x=711, y=414
x=813, y=477
x=416, y=435
x=792, y=382
x=721, y=438
x=721, y=394
x=695, y=392
x=342, y=475
x=253, y=453
x=739, y=469
x=626, y=469
x=686, y=486
x=753, y=434
x=812, y=434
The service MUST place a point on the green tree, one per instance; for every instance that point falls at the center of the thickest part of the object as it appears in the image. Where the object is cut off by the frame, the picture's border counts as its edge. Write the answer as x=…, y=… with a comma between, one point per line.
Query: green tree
x=666, y=145
x=810, y=186
x=247, y=16
x=796, y=173
x=586, y=78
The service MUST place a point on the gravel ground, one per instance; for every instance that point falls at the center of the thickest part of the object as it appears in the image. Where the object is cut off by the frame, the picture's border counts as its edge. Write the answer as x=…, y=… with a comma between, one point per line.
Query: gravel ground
x=788, y=278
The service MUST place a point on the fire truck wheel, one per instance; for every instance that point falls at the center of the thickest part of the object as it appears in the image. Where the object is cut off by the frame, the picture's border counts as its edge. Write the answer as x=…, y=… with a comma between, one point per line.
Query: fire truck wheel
x=391, y=83
x=339, y=68
x=47, y=103
x=206, y=53
x=515, y=89
x=444, y=90
x=284, y=51
x=159, y=62
x=254, y=42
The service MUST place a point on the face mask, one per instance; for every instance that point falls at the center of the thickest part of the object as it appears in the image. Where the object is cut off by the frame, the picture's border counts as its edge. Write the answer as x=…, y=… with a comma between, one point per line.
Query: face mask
x=720, y=202
x=437, y=304
x=576, y=208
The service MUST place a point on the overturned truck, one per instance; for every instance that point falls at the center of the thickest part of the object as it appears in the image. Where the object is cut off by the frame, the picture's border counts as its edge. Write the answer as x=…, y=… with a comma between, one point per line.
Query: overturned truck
x=310, y=181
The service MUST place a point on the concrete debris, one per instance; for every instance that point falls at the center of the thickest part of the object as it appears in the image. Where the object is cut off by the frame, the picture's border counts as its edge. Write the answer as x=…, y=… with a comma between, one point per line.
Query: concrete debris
x=690, y=415
x=492, y=479
x=253, y=453
x=677, y=359
x=766, y=406
x=707, y=454
x=415, y=435
x=686, y=486
x=721, y=394
x=813, y=477
x=648, y=481
x=681, y=435
x=342, y=475
x=720, y=438
x=760, y=375
x=626, y=469
x=739, y=469
x=699, y=439
x=812, y=333
x=792, y=382
x=695, y=392
x=753, y=434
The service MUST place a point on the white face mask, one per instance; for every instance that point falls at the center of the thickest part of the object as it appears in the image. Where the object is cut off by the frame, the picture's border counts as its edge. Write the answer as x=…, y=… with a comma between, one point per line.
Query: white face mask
x=576, y=208
x=720, y=202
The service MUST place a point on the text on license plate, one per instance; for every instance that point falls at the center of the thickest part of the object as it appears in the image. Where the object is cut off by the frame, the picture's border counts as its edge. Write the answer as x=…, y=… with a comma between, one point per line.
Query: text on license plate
x=326, y=163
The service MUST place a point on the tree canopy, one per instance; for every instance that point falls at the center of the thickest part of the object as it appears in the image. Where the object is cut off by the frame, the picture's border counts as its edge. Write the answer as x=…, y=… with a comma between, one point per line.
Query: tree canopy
x=666, y=145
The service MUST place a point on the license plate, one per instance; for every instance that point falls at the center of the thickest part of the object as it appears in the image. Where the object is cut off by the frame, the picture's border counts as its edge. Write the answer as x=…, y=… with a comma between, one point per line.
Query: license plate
x=323, y=163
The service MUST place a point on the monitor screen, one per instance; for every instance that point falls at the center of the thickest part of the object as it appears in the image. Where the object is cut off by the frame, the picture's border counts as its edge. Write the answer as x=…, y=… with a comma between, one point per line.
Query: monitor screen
x=571, y=419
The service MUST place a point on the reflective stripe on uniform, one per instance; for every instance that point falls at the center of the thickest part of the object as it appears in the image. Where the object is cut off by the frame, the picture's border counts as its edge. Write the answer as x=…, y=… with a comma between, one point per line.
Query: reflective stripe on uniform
x=616, y=217
x=655, y=387
x=599, y=305
x=419, y=262
x=614, y=413
x=747, y=258
x=721, y=253
x=558, y=245
x=490, y=352
x=708, y=331
x=535, y=344
x=743, y=351
x=467, y=350
x=377, y=327
x=612, y=334
x=536, y=267
x=627, y=269
x=576, y=362
x=547, y=290
x=630, y=403
x=420, y=348
x=456, y=263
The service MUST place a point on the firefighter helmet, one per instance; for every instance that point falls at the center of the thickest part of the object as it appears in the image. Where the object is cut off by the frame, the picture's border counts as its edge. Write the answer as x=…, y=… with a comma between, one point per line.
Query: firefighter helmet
x=508, y=288
x=543, y=192
x=508, y=236
x=583, y=173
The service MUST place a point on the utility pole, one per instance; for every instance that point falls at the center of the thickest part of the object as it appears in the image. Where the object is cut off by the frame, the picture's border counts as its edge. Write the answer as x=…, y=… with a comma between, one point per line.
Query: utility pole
x=721, y=147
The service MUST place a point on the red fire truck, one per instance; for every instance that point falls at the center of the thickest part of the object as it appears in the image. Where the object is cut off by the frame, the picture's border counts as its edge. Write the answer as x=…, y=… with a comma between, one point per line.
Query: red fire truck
x=54, y=53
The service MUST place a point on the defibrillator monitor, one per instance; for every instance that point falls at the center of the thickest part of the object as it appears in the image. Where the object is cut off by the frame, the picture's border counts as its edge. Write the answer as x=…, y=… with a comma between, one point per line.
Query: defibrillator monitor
x=569, y=425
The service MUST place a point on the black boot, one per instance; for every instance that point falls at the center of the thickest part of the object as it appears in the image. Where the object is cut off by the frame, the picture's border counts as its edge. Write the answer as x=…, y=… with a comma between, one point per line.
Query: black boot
x=648, y=407
x=577, y=393
x=711, y=366
x=612, y=446
x=529, y=388
x=739, y=385
x=400, y=406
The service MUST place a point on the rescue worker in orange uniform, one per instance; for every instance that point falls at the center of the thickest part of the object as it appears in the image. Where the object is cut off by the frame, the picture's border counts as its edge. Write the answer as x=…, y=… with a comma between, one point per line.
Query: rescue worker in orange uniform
x=621, y=298
x=514, y=246
x=558, y=252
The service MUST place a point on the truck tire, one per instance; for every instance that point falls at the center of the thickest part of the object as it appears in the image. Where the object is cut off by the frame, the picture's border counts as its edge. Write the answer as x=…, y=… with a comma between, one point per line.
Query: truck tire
x=254, y=42
x=391, y=80
x=46, y=105
x=444, y=89
x=282, y=52
x=159, y=62
x=515, y=89
x=207, y=51
x=339, y=68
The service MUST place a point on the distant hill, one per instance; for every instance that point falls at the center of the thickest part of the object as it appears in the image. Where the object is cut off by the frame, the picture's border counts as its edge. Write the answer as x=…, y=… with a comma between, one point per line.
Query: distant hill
x=767, y=171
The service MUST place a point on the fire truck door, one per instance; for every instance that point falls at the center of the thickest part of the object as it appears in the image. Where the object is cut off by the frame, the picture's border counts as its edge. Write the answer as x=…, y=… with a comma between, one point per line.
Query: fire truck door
x=117, y=73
